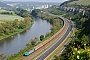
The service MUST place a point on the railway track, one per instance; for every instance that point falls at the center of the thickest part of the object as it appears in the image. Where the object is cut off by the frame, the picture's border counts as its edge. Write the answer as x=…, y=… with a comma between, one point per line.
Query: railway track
x=46, y=43
x=50, y=50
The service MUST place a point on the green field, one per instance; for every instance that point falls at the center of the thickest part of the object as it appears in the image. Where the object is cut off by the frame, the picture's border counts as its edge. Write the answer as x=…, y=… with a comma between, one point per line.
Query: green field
x=9, y=17
x=5, y=11
x=81, y=2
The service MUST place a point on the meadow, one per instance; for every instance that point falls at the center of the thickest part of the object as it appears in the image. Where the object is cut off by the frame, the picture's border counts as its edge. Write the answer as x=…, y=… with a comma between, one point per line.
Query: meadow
x=5, y=11
x=6, y=18
x=9, y=18
x=81, y=2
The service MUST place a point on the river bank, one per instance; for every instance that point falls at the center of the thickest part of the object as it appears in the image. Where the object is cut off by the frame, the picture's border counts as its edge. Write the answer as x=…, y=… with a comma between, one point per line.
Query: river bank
x=56, y=21
x=17, y=32
x=14, y=44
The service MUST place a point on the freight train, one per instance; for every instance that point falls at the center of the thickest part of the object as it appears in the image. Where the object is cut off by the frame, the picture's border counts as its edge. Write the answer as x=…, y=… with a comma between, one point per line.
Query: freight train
x=47, y=41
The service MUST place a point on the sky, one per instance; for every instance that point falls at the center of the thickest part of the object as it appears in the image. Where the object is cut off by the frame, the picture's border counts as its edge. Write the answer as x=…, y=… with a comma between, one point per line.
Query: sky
x=39, y=0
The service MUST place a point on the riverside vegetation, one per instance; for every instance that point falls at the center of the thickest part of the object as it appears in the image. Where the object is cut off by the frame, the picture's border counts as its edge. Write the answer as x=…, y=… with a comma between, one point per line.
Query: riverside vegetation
x=79, y=47
x=55, y=21
x=9, y=28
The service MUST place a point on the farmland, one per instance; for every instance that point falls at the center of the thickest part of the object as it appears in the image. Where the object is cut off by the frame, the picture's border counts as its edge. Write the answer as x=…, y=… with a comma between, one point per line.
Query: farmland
x=81, y=2
x=8, y=18
x=5, y=11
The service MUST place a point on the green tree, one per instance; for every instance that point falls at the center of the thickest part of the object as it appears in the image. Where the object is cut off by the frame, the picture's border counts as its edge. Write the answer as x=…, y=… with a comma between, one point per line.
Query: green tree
x=82, y=21
x=15, y=23
x=7, y=31
x=41, y=37
x=84, y=39
x=22, y=24
x=3, y=56
x=24, y=13
x=33, y=42
x=35, y=12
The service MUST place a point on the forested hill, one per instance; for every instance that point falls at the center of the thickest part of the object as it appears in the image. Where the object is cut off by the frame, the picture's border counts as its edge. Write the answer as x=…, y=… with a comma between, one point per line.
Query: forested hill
x=3, y=5
x=80, y=2
x=66, y=2
x=76, y=2
x=79, y=12
x=79, y=47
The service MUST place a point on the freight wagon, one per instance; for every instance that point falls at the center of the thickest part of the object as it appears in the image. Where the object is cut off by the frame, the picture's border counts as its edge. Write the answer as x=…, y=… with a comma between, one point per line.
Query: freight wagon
x=45, y=42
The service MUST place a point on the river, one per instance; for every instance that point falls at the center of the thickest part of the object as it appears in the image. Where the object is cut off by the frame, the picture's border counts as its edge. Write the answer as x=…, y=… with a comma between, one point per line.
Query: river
x=15, y=43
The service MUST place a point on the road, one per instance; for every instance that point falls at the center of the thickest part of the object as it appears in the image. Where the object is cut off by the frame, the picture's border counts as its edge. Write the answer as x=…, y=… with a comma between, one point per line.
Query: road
x=43, y=56
x=60, y=33
x=70, y=38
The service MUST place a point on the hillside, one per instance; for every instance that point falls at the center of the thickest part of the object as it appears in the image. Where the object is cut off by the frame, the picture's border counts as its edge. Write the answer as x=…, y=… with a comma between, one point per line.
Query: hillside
x=81, y=2
x=4, y=5
x=79, y=46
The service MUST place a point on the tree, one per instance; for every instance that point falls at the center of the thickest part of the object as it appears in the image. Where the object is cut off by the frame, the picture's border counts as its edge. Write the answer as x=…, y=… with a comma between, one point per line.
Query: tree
x=84, y=39
x=15, y=23
x=35, y=12
x=23, y=13
x=80, y=54
x=7, y=31
x=41, y=37
x=22, y=24
x=33, y=42
x=3, y=56
x=82, y=21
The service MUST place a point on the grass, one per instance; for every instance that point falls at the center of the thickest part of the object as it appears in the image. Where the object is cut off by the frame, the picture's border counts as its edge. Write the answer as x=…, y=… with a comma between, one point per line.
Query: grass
x=81, y=2
x=6, y=11
x=6, y=18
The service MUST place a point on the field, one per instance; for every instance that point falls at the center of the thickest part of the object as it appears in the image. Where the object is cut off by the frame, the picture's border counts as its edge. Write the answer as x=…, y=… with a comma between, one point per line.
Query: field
x=5, y=11
x=7, y=18
x=81, y=2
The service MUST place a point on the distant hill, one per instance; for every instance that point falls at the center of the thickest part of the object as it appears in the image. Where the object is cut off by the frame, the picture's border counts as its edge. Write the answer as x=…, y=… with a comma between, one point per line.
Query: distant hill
x=81, y=2
x=30, y=4
x=4, y=5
